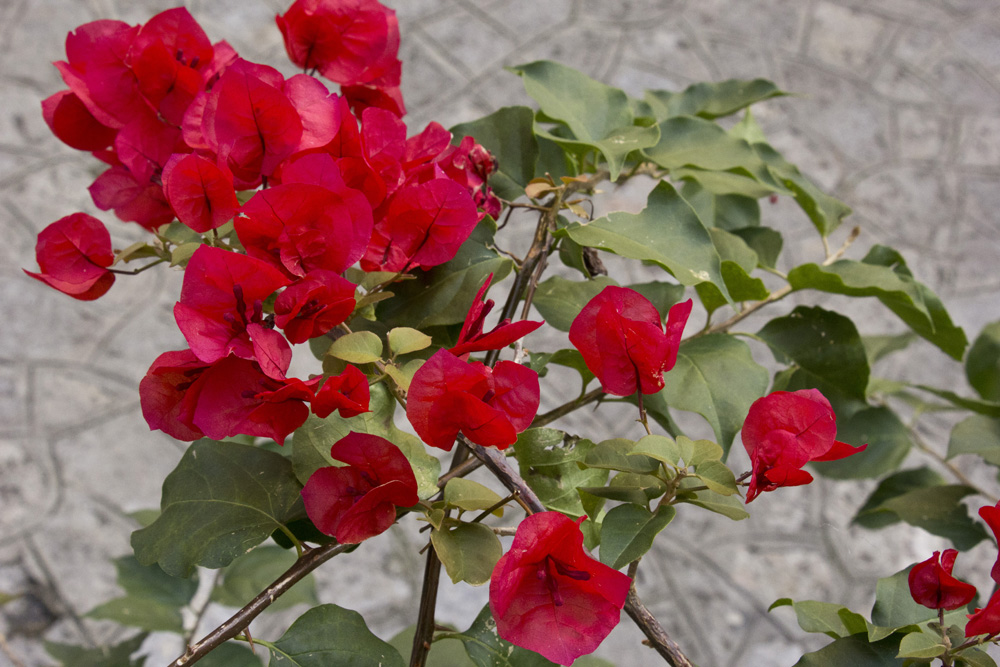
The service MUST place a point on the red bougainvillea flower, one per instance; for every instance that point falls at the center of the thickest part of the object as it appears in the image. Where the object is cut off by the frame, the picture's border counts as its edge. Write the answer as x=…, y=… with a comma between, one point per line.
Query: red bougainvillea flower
x=133, y=201
x=97, y=73
x=991, y=515
x=347, y=392
x=623, y=343
x=253, y=123
x=188, y=398
x=313, y=305
x=221, y=309
x=424, y=226
x=234, y=396
x=490, y=406
x=73, y=254
x=985, y=621
x=472, y=338
x=200, y=192
x=932, y=585
x=163, y=394
x=360, y=500
x=71, y=121
x=785, y=430
x=547, y=595
x=166, y=57
x=299, y=227
x=348, y=41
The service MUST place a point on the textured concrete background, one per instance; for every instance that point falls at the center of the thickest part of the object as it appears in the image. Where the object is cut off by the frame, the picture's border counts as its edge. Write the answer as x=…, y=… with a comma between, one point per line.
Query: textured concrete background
x=898, y=113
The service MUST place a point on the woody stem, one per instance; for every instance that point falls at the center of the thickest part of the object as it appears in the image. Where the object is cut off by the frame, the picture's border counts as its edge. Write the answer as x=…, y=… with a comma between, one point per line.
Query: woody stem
x=637, y=611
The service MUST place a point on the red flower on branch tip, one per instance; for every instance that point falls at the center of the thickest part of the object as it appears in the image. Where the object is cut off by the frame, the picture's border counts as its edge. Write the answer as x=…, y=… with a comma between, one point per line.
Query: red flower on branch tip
x=785, y=430
x=933, y=586
x=623, y=343
x=549, y=596
x=348, y=392
x=359, y=500
x=472, y=338
x=490, y=406
x=73, y=254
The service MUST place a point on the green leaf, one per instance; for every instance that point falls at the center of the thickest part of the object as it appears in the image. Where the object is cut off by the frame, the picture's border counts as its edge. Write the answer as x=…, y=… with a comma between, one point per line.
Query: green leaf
x=711, y=100
x=548, y=463
x=468, y=551
x=696, y=143
x=153, y=598
x=888, y=442
x=728, y=506
x=855, y=651
x=629, y=487
x=894, y=604
x=403, y=340
x=976, y=435
x=403, y=375
x=920, y=645
x=486, y=649
x=447, y=652
x=313, y=440
x=741, y=286
x=559, y=301
x=764, y=241
x=661, y=295
x=988, y=408
x=974, y=657
x=717, y=377
x=912, y=301
x=919, y=498
x=659, y=447
x=982, y=365
x=833, y=620
x=598, y=115
x=118, y=655
x=360, y=347
x=506, y=133
x=468, y=495
x=667, y=232
x=717, y=477
x=251, y=573
x=230, y=654
x=939, y=329
x=180, y=255
x=699, y=452
x=890, y=487
x=331, y=635
x=617, y=454
x=442, y=295
x=880, y=347
x=823, y=343
x=938, y=511
x=220, y=501
x=627, y=533
x=727, y=212
x=825, y=212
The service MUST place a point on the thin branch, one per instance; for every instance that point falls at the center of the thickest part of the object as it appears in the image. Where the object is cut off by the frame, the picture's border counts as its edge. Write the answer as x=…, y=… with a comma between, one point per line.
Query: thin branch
x=566, y=408
x=746, y=312
x=951, y=467
x=424, y=632
x=239, y=621
x=135, y=272
x=6, y=650
x=657, y=636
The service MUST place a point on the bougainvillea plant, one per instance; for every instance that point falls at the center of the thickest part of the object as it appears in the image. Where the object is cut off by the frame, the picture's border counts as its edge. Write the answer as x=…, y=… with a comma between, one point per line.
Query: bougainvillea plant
x=302, y=215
